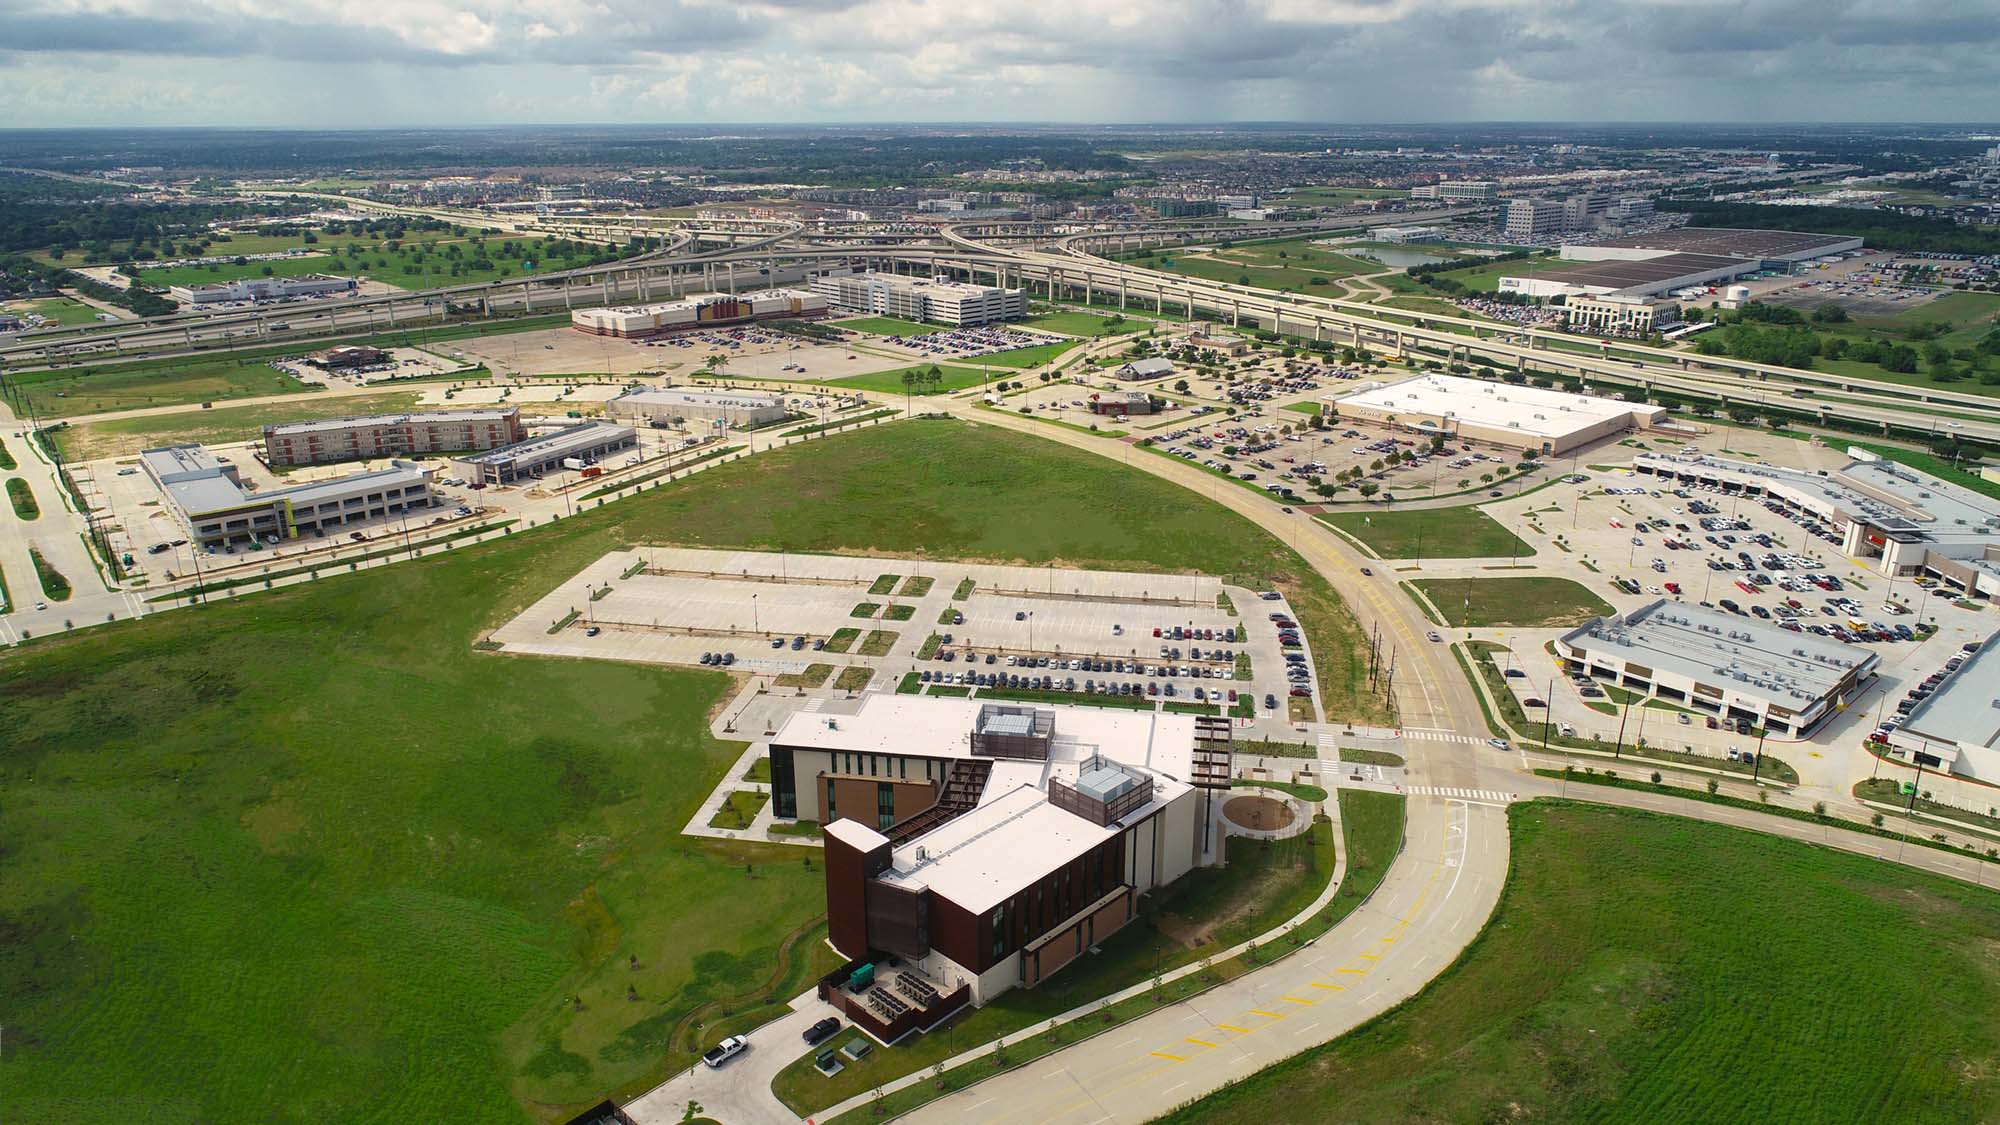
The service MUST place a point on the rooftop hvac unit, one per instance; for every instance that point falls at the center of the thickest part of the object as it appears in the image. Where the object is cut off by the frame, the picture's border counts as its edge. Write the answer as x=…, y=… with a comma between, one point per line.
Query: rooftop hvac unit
x=923, y=854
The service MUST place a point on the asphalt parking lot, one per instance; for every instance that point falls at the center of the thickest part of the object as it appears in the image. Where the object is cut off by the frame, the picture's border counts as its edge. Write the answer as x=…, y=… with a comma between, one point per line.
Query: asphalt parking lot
x=1019, y=628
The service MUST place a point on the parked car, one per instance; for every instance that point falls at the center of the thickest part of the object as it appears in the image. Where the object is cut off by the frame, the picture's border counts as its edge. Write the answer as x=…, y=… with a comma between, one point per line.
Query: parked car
x=819, y=1032
x=724, y=1051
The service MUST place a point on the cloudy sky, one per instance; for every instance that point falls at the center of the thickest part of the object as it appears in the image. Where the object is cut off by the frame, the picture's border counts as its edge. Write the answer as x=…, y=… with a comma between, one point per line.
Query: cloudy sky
x=447, y=62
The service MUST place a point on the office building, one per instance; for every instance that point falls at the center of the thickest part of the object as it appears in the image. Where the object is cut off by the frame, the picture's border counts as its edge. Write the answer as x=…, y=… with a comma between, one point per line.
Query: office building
x=573, y=447
x=1528, y=220
x=1587, y=210
x=664, y=406
x=1237, y=202
x=1528, y=419
x=707, y=310
x=210, y=501
x=262, y=289
x=936, y=300
x=1903, y=521
x=987, y=845
x=362, y=438
x=1622, y=314
x=1457, y=191
x=1715, y=663
x=1957, y=727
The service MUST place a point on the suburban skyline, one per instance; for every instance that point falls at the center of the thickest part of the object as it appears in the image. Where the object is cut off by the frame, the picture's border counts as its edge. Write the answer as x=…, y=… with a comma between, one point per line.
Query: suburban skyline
x=75, y=63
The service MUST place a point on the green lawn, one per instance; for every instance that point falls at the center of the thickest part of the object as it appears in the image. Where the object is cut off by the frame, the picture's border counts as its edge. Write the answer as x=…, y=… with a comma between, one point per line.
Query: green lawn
x=118, y=437
x=1532, y=603
x=313, y=841
x=54, y=585
x=218, y=375
x=72, y=391
x=888, y=326
x=410, y=265
x=1645, y=968
x=891, y=382
x=1017, y=358
x=1463, y=532
x=63, y=310
x=1340, y=195
x=1085, y=324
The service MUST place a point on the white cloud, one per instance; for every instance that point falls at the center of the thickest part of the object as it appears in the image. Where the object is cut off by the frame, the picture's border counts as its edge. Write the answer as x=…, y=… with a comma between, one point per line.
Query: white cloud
x=446, y=61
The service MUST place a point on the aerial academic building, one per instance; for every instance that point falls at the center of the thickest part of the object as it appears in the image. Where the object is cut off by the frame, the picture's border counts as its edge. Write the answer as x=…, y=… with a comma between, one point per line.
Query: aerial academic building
x=982, y=846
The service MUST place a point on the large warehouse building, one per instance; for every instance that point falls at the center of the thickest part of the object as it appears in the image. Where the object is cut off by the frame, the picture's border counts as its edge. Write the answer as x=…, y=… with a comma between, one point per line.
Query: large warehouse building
x=1527, y=419
x=585, y=444
x=988, y=845
x=262, y=289
x=1909, y=522
x=208, y=498
x=937, y=300
x=1716, y=663
x=325, y=440
x=709, y=310
x=670, y=405
x=1957, y=728
x=1647, y=265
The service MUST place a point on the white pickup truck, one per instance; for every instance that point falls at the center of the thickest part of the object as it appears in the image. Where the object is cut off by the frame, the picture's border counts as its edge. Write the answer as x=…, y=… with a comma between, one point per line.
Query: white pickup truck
x=724, y=1051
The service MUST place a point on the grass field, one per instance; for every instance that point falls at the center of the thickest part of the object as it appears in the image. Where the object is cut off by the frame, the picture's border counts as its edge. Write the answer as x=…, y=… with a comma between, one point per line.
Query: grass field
x=1463, y=532
x=1520, y=602
x=158, y=383
x=891, y=382
x=350, y=858
x=1019, y=358
x=410, y=265
x=1649, y=969
x=1085, y=324
x=120, y=437
x=219, y=375
x=1338, y=195
x=887, y=326
x=62, y=310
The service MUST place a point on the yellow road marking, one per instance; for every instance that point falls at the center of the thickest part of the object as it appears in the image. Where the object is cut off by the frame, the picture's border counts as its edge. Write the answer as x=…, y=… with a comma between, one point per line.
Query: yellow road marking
x=1356, y=972
x=1199, y=1042
x=1164, y=1055
x=1296, y=1000
x=1234, y=1028
x=1330, y=987
x=1369, y=956
x=1265, y=1014
x=1391, y=940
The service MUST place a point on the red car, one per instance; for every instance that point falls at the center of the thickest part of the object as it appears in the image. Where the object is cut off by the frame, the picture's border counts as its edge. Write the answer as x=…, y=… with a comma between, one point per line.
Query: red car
x=1673, y=587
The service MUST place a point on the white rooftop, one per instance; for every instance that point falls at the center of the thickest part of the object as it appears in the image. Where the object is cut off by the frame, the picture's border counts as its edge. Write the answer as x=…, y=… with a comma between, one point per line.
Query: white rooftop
x=1723, y=650
x=1530, y=410
x=979, y=858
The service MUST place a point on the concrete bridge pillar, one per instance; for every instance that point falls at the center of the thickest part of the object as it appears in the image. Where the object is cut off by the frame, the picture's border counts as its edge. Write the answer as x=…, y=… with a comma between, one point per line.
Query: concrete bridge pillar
x=568, y=283
x=1235, y=314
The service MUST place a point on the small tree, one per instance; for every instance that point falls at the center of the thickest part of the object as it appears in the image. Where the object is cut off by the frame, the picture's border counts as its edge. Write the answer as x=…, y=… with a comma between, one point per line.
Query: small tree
x=1876, y=820
x=1819, y=809
x=1713, y=785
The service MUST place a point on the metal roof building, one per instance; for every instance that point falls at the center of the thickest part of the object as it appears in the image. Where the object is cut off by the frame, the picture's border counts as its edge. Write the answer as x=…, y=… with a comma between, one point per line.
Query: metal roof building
x=1722, y=664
